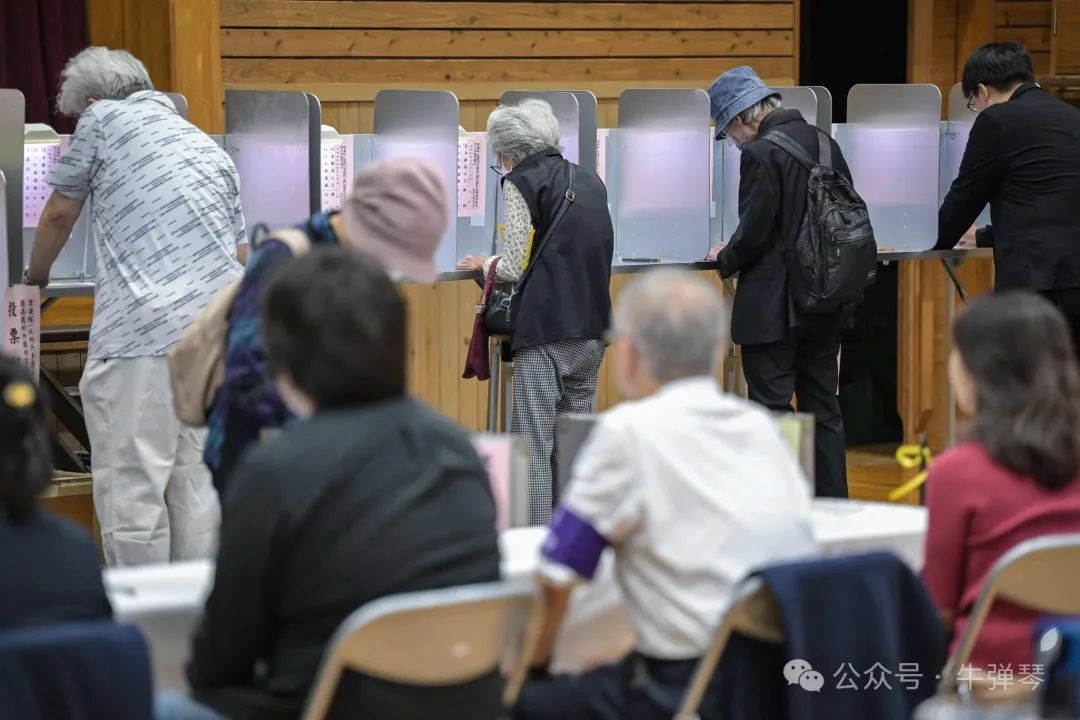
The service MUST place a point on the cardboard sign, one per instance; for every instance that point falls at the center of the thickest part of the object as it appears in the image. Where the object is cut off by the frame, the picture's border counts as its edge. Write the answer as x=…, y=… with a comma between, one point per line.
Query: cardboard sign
x=22, y=325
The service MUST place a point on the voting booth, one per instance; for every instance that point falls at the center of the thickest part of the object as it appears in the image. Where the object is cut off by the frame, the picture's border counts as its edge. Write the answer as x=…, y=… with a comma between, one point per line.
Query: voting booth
x=892, y=145
x=954, y=136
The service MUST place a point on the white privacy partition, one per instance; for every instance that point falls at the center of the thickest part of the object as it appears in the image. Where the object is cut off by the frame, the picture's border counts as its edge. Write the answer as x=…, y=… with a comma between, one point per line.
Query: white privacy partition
x=803, y=99
x=954, y=137
x=12, y=117
x=273, y=138
x=824, y=107
x=423, y=124
x=663, y=151
x=892, y=145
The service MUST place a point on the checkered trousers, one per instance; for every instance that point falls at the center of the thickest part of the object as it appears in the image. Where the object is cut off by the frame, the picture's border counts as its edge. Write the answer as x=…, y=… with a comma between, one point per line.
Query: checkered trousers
x=551, y=380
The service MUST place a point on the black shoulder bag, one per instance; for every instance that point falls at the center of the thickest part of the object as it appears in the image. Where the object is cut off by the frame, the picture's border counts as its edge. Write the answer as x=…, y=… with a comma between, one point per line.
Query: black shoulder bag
x=502, y=308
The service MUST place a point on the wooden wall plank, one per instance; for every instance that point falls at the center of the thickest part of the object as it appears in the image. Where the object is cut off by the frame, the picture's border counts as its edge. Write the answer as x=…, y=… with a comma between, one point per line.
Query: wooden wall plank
x=196, y=61
x=286, y=72
x=255, y=42
x=1036, y=39
x=1020, y=14
x=502, y=15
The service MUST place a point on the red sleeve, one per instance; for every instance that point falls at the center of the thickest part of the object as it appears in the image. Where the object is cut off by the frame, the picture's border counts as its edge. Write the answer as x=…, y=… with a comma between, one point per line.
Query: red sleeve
x=949, y=502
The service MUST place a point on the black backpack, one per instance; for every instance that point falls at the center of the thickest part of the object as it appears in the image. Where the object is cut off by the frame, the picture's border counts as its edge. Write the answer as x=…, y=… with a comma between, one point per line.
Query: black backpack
x=834, y=256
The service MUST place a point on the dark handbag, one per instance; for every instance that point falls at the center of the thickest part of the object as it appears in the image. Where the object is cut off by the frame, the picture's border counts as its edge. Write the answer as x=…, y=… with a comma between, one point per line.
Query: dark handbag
x=477, y=359
x=502, y=307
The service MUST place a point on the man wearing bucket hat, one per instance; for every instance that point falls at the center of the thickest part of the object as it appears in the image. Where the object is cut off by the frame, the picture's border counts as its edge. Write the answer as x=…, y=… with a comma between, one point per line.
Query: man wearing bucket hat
x=785, y=352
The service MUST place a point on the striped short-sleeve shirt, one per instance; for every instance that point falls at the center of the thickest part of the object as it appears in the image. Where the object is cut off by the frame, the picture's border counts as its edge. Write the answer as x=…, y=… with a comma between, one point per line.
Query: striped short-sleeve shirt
x=165, y=215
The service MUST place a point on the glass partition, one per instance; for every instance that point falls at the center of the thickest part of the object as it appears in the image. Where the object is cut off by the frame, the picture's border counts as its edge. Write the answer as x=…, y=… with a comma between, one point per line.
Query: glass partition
x=423, y=124
x=954, y=137
x=273, y=138
x=662, y=207
x=892, y=145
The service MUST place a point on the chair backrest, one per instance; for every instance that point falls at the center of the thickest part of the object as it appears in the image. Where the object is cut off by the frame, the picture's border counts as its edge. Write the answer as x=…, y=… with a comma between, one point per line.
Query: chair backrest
x=753, y=612
x=1039, y=574
x=797, y=430
x=80, y=670
x=433, y=638
x=506, y=458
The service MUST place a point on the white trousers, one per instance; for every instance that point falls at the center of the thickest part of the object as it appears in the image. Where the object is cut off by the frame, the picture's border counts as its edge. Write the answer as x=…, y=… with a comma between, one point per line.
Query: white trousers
x=153, y=495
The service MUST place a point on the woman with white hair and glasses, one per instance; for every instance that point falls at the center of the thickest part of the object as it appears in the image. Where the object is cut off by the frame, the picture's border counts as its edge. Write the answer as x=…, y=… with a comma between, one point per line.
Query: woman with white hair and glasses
x=558, y=242
x=168, y=231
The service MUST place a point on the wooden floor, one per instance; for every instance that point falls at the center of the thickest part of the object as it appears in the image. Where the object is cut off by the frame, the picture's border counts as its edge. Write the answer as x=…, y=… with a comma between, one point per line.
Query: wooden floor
x=873, y=472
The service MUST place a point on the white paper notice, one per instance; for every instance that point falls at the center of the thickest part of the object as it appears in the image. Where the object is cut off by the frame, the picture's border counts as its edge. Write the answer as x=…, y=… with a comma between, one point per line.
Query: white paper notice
x=40, y=158
x=472, y=174
x=334, y=176
x=601, y=155
x=22, y=325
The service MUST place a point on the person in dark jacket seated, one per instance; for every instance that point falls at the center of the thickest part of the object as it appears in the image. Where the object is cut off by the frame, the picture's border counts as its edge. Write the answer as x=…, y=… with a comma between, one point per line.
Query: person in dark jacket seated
x=49, y=569
x=369, y=494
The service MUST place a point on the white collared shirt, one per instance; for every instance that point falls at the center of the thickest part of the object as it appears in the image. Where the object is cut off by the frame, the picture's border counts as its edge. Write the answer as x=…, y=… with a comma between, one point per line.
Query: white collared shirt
x=693, y=489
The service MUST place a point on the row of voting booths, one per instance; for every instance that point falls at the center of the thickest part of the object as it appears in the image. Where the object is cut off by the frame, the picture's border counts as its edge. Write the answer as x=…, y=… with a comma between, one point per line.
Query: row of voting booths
x=673, y=190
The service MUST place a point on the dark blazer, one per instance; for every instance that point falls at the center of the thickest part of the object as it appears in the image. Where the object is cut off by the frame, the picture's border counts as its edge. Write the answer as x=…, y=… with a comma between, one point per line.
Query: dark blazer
x=826, y=607
x=1023, y=158
x=772, y=207
x=566, y=296
x=49, y=573
x=344, y=508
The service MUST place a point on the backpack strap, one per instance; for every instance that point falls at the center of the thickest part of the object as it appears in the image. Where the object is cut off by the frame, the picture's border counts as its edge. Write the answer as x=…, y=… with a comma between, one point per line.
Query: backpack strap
x=795, y=150
x=792, y=148
x=296, y=240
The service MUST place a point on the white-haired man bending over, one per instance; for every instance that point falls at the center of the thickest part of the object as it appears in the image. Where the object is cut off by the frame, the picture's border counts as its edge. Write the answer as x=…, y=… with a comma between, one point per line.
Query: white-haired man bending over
x=690, y=487
x=168, y=231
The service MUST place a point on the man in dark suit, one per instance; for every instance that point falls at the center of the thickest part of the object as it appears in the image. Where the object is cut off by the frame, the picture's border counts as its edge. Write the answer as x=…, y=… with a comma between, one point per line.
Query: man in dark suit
x=1023, y=158
x=784, y=351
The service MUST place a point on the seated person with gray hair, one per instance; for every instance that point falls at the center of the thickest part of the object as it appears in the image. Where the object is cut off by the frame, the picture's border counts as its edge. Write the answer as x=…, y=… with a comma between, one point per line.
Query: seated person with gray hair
x=692, y=489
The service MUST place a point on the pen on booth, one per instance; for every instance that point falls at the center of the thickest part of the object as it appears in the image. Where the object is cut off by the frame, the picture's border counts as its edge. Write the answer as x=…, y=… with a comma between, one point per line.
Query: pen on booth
x=641, y=259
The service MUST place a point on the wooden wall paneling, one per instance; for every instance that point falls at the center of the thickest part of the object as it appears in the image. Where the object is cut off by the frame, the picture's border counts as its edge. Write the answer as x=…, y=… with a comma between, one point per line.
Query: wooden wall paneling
x=975, y=24
x=455, y=72
x=302, y=42
x=105, y=22
x=509, y=15
x=1066, y=39
x=196, y=60
x=1026, y=13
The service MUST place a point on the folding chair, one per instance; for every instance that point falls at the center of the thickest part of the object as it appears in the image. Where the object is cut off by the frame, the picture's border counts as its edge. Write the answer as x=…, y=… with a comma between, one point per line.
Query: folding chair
x=1039, y=574
x=754, y=613
x=433, y=638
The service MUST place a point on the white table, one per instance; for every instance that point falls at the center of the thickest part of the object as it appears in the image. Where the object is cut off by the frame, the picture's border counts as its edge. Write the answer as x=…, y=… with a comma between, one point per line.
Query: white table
x=164, y=600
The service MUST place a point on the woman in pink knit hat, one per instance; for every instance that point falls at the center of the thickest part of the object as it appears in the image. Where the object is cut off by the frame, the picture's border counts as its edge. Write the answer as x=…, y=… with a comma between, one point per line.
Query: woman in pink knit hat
x=397, y=212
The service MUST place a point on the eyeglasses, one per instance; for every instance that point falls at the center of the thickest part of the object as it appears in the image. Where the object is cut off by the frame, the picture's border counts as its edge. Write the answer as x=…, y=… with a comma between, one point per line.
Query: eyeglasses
x=721, y=136
x=499, y=170
x=971, y=104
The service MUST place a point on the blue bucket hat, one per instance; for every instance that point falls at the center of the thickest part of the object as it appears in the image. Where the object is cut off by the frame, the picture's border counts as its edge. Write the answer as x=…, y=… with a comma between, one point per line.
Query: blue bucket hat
x=734, y=91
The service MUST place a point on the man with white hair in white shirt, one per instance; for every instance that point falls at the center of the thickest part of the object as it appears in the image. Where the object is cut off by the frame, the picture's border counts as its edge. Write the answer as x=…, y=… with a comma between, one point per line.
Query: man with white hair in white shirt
x=692, y=489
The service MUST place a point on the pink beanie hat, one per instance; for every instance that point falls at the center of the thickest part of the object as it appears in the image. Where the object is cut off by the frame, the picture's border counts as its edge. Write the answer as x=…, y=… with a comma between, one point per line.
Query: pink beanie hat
x=397, y=212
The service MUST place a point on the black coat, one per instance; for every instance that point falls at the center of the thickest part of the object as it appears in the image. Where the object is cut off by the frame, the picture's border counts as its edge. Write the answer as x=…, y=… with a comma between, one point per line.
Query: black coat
x=772, y=207
x=1023, y=158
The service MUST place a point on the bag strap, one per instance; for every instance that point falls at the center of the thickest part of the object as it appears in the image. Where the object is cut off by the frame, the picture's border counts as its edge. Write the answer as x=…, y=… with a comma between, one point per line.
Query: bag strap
x=792, y=148
x=568, y=199
x=824, y=148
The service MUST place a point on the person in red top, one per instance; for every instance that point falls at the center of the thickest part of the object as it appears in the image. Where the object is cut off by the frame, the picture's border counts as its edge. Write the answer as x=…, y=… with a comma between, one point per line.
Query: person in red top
x=1015, y=374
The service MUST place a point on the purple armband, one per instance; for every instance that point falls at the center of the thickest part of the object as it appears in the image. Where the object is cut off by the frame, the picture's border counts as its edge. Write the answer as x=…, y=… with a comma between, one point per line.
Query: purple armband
x=574, y=543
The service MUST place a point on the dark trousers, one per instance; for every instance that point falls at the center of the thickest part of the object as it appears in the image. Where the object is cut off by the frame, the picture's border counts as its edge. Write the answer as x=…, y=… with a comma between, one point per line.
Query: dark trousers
x=805, y=364
x=635, y=688
x=1067, y=301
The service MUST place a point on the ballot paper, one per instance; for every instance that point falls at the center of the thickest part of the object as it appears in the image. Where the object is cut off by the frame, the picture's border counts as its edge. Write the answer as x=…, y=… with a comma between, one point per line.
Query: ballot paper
x=39, y=161
x=335, y=179
x=22, y=325
x=472, y=174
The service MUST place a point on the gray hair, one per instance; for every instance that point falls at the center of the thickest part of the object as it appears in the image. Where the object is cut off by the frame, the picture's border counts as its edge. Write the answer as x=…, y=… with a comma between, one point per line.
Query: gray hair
x=755, y=111
x=677, y=322
x=521, y=130
x=102, y=74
